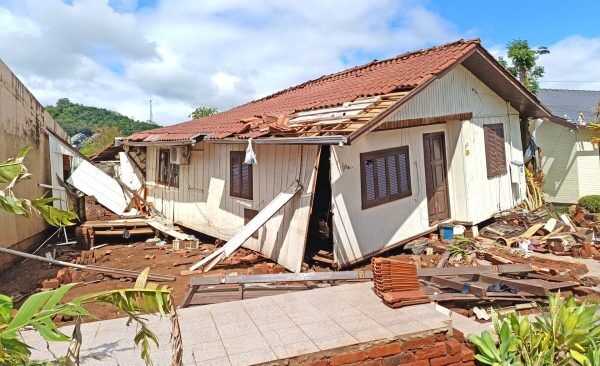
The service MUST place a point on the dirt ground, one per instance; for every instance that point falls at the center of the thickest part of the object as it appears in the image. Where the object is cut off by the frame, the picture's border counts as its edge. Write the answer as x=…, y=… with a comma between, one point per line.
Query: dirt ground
x=25, y=278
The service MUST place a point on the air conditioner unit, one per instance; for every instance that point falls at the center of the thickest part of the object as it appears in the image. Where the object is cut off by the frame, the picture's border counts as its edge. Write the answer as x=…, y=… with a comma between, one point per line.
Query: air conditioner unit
x=180, y=155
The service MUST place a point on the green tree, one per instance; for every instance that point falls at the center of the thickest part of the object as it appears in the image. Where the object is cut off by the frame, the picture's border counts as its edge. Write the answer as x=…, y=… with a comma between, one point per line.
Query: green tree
x=105, y=136
x=75, y=118
x=203, y=112
x=523, y=63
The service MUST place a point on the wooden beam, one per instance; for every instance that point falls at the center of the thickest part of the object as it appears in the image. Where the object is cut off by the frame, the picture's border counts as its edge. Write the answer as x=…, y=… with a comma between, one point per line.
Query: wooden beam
x=395, y=125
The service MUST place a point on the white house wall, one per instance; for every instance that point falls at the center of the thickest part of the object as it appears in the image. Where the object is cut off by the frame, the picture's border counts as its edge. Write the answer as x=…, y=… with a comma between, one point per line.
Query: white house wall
x=460, y=91
x=570, y=163
x=202, y=201
x=473, y=197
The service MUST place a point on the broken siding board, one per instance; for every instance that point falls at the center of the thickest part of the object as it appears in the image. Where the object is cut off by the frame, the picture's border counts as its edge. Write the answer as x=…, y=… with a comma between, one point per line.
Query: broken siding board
x=237, y=240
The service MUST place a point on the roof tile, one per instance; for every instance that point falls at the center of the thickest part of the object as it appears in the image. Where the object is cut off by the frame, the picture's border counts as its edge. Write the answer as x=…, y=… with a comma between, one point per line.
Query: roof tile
x=403, y=72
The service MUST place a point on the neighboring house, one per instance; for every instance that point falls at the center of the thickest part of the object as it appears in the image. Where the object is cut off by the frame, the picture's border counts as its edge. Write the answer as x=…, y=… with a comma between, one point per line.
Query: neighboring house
x=24, y=121
x=383, y=153
x=570, y=162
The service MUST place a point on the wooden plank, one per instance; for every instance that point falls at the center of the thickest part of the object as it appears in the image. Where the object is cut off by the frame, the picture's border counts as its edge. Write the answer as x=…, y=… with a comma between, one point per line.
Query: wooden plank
x=534, y=286
x=457, y=283
x=171, y=232
x=256, y=223
x=283, y=277
x=454, y=271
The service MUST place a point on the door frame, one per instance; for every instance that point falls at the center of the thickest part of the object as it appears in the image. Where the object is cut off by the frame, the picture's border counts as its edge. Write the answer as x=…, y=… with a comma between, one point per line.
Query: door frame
x=445, y=161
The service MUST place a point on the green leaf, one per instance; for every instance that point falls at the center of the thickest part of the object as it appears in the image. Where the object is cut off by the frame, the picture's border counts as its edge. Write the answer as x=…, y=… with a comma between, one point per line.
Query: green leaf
x=27, y=311
x=6, y=307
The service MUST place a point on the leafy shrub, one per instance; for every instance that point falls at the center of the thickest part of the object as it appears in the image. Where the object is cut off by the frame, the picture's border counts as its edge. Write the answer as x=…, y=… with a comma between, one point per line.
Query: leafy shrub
x=566, y=334
x=590, y=203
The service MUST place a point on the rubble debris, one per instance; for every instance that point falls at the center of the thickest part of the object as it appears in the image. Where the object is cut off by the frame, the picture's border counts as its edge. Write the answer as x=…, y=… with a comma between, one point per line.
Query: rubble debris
x=324, y=257
x=396, y=283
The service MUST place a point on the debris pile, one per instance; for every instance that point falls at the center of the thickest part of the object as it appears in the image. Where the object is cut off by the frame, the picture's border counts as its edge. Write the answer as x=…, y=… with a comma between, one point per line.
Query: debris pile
x=536, y=231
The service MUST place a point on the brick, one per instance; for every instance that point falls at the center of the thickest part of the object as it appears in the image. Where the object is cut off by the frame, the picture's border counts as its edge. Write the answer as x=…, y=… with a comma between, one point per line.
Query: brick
x=406, y=357
x=323, y=362
x=377, y=362
x=392, y=361
x=346, y=358
x=466, y=354
x=431, y=352
x=445, y=360
x=64, y=275
x=440, y=337
x=458, y=335
x=469, y=363
x=452, y=346
x=51, y=283
x=384, y=350
x=418, y=343
x=418, y=363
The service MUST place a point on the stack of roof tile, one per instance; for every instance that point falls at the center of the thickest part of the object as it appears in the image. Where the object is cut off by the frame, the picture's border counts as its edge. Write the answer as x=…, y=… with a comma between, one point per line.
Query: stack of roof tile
x=396, y=283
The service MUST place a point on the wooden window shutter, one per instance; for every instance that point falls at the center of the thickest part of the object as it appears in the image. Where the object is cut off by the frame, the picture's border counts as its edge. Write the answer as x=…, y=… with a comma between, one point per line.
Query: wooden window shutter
x=241, y=181
x=385, y=176
x=495, y=153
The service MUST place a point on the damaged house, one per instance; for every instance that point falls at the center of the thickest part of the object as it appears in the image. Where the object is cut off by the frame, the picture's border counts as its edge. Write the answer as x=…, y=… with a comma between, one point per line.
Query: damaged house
x=354, y=163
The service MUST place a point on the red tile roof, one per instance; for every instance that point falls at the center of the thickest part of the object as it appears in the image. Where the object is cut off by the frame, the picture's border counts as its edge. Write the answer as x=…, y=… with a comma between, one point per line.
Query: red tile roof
x=403, y=72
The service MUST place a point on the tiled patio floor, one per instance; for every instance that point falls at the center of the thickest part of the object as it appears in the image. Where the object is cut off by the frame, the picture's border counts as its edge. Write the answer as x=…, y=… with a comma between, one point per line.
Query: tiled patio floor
x=258, y=330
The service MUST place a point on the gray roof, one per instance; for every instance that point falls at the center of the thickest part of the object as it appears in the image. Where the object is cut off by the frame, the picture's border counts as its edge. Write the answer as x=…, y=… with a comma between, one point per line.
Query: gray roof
x=568, y=103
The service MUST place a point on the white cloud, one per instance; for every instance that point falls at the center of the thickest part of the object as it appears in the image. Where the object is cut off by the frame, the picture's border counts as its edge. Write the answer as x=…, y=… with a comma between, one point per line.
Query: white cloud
x=575, y=59
x=186, y=54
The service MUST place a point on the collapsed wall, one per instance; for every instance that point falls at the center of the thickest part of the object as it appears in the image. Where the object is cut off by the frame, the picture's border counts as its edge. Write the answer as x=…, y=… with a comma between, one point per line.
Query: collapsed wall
x=22, y=119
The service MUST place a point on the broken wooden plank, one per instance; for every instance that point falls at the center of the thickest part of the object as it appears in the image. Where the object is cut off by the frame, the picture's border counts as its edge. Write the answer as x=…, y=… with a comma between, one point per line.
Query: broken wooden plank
x=455, y=271
x=171, y=232
x=283, y=277
x=256, y=223
x=533, y=286
x=444, y=259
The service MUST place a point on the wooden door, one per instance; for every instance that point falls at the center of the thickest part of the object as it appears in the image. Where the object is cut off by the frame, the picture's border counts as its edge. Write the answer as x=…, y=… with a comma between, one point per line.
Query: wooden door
x=434, y=150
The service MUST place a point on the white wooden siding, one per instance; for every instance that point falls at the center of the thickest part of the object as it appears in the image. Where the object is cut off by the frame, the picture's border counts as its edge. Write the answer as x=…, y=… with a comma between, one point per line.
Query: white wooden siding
x=473, y=197
x=202, y=201
x=571, y=164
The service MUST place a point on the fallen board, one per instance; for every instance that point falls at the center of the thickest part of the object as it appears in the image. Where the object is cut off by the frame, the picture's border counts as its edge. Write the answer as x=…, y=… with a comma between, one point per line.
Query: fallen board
x=171, y=232
x=238, y=239
x=456, y=271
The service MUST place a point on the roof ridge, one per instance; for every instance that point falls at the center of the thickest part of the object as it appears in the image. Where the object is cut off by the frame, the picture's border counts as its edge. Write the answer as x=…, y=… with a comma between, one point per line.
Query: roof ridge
x=404, y=55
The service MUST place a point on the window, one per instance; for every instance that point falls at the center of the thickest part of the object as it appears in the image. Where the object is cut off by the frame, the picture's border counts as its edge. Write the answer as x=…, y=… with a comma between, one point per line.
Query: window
x=240, y=185
x=168, y=173
x=495, y=157
x=385, y=176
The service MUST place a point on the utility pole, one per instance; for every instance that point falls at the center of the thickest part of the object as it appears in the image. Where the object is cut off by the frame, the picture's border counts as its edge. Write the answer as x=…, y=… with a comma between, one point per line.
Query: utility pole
x=150, y=110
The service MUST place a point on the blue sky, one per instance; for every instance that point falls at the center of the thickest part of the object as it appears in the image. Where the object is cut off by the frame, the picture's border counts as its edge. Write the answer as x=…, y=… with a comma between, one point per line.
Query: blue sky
x=118, y=54
x=542, y=22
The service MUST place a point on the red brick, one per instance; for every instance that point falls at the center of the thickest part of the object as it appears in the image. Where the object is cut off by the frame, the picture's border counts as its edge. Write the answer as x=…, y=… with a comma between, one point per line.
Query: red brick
x=456, y=364
x=64, y=275
x=458, y=335
x=431, y=352
x=406, y=357
x=469, y=363
x=418, y=343
x=452, y=346
x=323, y=362
x=377, y=362
x=440, y=337
x=346, y=358
x=51, y=283
x=466, y=354
x=392, y=360
x=418, y=363
x=384, y=350
x=445, y=360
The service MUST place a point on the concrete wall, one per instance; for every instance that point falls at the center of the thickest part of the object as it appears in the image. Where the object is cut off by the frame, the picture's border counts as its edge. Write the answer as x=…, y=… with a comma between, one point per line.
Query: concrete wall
x=22, y=119
x=473, y=196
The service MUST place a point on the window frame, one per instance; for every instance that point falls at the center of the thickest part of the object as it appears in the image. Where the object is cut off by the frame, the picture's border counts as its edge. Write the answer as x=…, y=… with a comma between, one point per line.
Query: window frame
x=385, y=153
x=495, y=150
x=241, y=155
x=171, y=168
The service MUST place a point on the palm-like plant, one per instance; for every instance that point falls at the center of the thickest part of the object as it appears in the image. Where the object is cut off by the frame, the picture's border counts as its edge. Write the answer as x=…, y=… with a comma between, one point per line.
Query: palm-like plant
x=567, y=333
x=39, y=310
x=13, y=171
